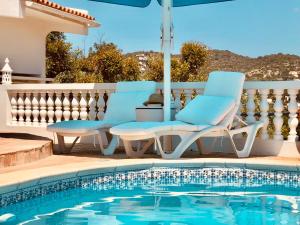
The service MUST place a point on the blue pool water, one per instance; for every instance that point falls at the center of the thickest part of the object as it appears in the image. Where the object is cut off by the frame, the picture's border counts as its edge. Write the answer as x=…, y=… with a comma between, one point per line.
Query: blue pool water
x=169, y=196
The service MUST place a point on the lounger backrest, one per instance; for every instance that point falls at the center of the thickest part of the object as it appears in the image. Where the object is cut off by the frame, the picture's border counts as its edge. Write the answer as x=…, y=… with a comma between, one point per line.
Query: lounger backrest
x=226, y=84
x=129, y=95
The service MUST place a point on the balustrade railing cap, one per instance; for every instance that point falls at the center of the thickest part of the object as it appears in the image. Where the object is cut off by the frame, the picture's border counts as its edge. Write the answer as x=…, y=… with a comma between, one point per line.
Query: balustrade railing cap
x=6, y=67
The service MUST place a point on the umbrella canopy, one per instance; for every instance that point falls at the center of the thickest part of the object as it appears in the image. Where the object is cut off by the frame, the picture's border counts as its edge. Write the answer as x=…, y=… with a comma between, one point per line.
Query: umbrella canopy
x=145, y=3
x=166, y=36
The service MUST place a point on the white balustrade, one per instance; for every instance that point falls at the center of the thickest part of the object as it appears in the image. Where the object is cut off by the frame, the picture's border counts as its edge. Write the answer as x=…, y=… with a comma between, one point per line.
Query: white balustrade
x=92, y=105
x=35, y=109
x=75, y=106
x=100, y=105
x=264, y=108
x=66, y=105
x=83, y=106
x=251, y=106
x=188, y=95
x=29, y=106
x=177, y=101
x=43, y=109
x=21, y=110
x=58, y=106
x=50, y=105
x=14, y=108
x=293, y=109
x=278, y=107
x=28, y=110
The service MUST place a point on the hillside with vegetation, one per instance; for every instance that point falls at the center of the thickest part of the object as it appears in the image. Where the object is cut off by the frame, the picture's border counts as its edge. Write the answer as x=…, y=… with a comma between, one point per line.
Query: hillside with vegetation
x=270, y=67
x=105, y=62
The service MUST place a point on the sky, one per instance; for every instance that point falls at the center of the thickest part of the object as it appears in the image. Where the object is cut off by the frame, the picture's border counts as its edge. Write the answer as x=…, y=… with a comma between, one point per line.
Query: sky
x=247, y=27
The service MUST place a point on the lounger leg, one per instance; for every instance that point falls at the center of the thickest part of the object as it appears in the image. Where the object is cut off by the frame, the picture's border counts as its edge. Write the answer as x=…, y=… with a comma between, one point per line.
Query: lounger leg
x=110, y=150
x=136, y=154
x=187, y=138
x=186, y=141
x=200, y=145
x=100, y=141
x=62, y=145
x=251, y=131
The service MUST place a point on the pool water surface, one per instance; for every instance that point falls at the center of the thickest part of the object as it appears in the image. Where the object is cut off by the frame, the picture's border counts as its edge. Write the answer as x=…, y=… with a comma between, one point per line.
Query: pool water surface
x=215, y=196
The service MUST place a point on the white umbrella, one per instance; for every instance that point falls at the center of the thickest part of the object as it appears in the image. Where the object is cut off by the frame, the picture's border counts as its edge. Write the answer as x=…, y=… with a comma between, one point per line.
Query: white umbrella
x=166, y=36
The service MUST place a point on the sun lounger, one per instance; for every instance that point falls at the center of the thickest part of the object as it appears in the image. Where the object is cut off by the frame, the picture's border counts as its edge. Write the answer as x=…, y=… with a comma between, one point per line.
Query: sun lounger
x=213, y=112
x=120, y=109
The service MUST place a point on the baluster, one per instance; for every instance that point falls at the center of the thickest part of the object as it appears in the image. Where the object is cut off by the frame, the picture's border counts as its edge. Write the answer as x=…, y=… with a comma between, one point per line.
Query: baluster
x=239, y=111
x=83, y=106
x=21, y=110
x=101, y=106
x=28, y=109
x=35, y=109
x=75, y=106
x=177, y=102
x=264, y=108
x=67, y=109
x=251, y=106
x=243, y=106
x=278, y=107
x=92, y=106
x=14, y=108
x=58, y=106
x=188, y=95
x=43, y=109
x=293, y=109
x=50, y=105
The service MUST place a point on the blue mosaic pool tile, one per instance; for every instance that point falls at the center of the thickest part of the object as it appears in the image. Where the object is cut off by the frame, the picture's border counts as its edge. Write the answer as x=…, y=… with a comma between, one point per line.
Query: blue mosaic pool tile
x=158, y=177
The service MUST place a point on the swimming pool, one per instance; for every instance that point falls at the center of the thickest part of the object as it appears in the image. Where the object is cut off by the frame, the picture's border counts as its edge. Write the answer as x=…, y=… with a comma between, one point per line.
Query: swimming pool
x=162, y=196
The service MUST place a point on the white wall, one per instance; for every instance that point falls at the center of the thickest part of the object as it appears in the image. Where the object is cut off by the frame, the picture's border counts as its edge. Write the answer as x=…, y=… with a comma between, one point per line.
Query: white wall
x=11, y=8
x=23, y=40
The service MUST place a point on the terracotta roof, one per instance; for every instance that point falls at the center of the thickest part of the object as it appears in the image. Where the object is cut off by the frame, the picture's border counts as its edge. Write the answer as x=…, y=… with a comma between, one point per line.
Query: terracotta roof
x=64, y=9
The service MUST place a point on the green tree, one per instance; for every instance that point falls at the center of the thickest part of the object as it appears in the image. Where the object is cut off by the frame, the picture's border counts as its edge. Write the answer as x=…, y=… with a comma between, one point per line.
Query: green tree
x=58, y=54
x=155, y=68
x=196, y=56
x=77, y=77
x=130, y=69
x=180, y=71
x=106, y=59
x=65, y=77
x=191, y=65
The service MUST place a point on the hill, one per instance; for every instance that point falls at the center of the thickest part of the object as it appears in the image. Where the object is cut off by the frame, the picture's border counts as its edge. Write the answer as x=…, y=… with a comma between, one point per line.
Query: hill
x=270, y=67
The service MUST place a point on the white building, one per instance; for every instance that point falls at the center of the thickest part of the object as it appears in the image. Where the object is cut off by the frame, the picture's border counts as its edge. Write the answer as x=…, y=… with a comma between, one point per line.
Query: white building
x=24, y=26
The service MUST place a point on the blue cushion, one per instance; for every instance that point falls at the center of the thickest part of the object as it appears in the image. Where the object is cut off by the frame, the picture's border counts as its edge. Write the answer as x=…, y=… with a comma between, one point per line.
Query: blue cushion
x=121, y=105
x=227, y=84
x=206, y=110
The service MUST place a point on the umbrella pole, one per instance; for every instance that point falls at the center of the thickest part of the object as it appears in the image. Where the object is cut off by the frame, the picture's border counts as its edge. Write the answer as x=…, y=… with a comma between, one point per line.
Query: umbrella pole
x=167, y=6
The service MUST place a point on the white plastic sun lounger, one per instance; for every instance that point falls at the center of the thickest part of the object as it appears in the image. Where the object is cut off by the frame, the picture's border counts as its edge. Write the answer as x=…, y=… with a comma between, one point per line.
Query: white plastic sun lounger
x=120, y=109
x=210, y=113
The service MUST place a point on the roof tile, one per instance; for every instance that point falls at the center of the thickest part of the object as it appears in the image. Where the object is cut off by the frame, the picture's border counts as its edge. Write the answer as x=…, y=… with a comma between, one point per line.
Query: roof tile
x=64, y=9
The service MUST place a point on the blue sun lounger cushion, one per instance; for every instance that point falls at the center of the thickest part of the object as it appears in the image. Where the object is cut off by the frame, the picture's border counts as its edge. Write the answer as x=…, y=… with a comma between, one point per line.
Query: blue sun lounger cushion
x=206, y=110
